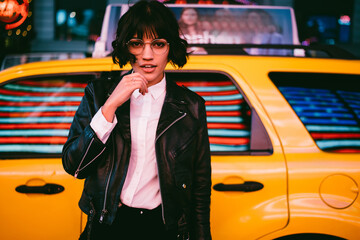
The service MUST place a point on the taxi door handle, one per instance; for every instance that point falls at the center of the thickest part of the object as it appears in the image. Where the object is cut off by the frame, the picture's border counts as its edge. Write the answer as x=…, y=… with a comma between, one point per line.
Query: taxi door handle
x=48, y=188
x=244, y=187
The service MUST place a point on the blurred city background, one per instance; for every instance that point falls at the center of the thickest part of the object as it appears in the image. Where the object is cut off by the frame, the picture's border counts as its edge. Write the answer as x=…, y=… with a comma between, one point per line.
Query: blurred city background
x=69, y=29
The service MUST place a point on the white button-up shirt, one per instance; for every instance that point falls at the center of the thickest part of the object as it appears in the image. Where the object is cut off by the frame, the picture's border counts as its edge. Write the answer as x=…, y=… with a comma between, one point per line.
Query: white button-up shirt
x=141, y=188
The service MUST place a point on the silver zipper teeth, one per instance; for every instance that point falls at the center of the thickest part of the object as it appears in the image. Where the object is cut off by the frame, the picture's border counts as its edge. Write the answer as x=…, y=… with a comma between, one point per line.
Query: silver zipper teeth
x=162, y=205
x=93, y=159
x=170, y=126
x=106, y=190
x=87, y=150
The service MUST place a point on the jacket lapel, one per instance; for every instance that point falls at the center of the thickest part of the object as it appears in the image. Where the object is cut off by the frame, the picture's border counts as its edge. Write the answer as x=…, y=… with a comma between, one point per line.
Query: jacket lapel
x=173, y=108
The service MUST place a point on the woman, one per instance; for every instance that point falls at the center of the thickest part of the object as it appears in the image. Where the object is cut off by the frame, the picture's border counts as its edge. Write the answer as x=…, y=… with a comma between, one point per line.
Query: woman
x=190, y=25
x=142, y=142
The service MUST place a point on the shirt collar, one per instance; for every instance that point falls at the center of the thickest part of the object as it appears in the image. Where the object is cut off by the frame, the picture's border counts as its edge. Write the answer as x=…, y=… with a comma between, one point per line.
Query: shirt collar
x=155, y=90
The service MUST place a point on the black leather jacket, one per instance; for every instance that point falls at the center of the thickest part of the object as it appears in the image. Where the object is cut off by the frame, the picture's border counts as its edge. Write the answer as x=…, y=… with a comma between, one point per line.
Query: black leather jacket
x=182, y=151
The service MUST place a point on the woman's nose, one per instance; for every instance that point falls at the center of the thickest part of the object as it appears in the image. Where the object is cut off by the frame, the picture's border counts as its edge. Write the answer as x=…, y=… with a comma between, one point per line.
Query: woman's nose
x=148, y=52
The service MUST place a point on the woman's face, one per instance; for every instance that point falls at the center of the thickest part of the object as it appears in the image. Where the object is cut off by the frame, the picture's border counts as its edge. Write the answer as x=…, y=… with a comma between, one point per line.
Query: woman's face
x=206, y=25
x=150, y=65
x=254, y=20
x=189, y=16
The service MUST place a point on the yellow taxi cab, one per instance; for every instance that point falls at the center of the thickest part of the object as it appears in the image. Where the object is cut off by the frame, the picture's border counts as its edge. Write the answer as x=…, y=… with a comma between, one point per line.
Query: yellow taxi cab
x=284, y=135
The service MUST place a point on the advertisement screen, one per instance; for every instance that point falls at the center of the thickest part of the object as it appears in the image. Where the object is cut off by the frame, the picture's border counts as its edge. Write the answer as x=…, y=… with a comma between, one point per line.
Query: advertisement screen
x=235, y=25
x=217, y=24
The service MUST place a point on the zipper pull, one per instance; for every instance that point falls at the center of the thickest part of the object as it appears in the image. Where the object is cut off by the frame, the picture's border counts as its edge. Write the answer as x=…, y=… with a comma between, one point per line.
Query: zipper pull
x=76, y=173
x=103, y=213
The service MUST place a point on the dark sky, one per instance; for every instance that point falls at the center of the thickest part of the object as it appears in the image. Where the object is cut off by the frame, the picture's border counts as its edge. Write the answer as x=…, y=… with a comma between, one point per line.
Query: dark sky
x=324, y=6
x=306, y=8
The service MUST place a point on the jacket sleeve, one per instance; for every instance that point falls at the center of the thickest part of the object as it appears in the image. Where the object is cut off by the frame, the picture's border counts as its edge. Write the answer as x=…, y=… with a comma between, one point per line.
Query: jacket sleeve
x=202, y=180
x=82, y=148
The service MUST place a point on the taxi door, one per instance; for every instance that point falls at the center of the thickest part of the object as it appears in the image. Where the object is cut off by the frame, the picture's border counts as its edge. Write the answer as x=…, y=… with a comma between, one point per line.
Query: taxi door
x=249, y=192
x=39, y=200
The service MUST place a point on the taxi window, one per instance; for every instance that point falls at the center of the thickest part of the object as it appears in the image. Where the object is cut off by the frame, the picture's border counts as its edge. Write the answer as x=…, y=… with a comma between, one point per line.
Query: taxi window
x=327, y=104
x=229, y=116
x=36, y=114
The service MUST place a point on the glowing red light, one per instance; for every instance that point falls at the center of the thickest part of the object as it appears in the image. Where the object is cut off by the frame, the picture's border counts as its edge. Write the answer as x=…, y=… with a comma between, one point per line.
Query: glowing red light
x=13, y=13
x=344, y=20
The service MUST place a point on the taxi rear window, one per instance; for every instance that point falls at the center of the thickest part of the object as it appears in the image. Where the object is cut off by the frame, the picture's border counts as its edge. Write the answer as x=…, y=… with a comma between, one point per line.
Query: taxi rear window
x=327, y=104
x=36, y=114
x=228, y=114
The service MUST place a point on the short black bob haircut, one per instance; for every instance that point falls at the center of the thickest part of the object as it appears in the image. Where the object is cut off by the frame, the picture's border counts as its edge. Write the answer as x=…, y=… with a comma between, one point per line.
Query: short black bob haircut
x=155, y=20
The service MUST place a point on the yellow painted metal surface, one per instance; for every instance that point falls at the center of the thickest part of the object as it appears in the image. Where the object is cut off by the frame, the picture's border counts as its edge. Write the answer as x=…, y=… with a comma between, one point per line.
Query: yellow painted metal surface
x=305, y=189
x=38, y=216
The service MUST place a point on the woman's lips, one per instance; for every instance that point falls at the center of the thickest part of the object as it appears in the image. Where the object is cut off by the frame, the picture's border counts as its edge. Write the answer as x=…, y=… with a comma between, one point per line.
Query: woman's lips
x=148, y=68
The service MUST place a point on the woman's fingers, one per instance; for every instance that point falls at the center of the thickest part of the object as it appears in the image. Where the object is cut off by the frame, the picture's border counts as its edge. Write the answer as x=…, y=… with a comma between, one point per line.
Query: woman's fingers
x=126, y=87
x=137, y=81
x=123, y=92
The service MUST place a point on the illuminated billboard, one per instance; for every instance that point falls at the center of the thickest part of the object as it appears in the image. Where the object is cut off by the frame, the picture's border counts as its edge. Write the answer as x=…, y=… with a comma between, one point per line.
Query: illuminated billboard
x=216, y=24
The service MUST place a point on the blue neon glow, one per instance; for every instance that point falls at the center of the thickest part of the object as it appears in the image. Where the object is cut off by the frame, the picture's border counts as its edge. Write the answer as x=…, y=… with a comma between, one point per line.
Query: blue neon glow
x=328, y=109
x=223, y=98
x=40, y=132
x=304, y=90
x=337, y=143
x=228, y=148
x=212, y=88
x=321, y=104
x=39, y=109
x=39, y=99
x=223, y=108
x=38, y=148
x=311, y=96
x=354, y=106
x=224, y=119
x=324, y=115
x=319, y=128
x=336, y=121
x=43, y=89
x=228, y=133
x=347, y=93
x=37, y=120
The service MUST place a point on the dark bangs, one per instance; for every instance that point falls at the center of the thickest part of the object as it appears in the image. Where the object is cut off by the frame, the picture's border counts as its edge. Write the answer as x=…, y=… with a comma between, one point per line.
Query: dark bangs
x=151, y=20
x=150, y=25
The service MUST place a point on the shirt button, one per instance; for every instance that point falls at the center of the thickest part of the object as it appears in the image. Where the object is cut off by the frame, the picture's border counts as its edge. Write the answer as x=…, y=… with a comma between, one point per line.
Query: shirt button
x=184, y=185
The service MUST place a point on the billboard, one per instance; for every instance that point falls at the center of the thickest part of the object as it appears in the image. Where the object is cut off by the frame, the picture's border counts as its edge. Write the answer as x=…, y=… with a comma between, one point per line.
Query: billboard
x=235, y=25
x=217, y=24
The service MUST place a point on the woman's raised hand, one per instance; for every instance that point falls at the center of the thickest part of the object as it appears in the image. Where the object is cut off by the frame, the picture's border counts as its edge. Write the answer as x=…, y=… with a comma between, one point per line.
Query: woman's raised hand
x=122, y=93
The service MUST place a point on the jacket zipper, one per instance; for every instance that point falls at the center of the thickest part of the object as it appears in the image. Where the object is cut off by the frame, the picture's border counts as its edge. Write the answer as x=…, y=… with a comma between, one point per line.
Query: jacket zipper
x=87, y=150
x=104, y=211
x=176, y=120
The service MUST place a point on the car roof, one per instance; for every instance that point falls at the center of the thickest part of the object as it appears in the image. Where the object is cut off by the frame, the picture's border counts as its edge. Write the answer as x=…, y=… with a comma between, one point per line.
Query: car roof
x=239, y=63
